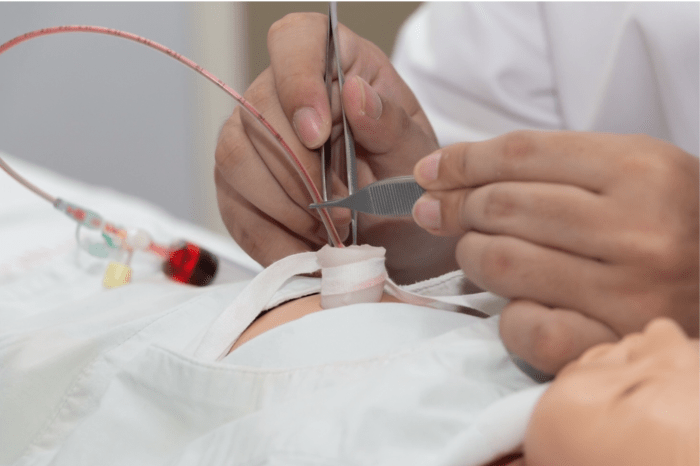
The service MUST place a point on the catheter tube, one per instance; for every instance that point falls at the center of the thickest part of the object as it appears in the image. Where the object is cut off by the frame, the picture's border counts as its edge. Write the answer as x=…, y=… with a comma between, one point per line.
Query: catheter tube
x=26, y=183
x=296, y=163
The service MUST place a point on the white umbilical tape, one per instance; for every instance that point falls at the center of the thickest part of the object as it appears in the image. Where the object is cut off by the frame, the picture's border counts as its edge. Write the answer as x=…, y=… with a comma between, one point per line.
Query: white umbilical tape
x=351, y=275
x=225, y=330
x=485, y=302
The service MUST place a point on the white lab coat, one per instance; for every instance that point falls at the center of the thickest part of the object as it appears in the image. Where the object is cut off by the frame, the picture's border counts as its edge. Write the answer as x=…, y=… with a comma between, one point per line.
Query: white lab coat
x=483, y=69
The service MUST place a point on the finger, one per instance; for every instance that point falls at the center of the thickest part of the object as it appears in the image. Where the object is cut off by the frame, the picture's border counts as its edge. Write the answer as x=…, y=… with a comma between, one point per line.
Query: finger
x=264, y=239
x=549, y=338
x=383, y=127
x=297, y=48
x=517, y=269
x=263, y=95
x=552, y=215
x=579, y=159
x=239, y=166
x=361, y=57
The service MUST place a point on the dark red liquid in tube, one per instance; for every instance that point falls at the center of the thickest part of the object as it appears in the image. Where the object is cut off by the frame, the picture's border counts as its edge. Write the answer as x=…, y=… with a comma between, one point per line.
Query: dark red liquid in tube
x=188, y=263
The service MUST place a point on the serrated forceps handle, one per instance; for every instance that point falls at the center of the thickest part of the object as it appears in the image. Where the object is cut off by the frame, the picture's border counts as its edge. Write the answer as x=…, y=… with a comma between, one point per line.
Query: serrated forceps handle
x=392, y=197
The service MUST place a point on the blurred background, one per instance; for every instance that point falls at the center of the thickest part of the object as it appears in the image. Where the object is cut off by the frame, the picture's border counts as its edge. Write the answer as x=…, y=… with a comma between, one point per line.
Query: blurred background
x=114, y=113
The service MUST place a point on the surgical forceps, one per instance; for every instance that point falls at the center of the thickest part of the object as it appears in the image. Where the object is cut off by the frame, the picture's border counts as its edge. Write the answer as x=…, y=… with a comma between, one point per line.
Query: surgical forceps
x=390, y=197
x=328, y=159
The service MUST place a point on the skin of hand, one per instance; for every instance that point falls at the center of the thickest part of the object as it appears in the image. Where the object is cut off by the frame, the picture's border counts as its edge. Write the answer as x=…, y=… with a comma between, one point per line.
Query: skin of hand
x=263, y=203
x=634, y=402
x=590, y=235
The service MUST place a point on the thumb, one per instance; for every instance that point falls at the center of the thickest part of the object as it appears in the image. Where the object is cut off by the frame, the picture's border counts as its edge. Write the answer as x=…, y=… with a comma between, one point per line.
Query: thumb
x=296, y=44
x=382, y=126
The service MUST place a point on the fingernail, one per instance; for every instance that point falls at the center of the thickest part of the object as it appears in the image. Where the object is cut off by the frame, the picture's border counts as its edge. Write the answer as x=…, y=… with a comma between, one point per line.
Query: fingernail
x=371, y=104
x=426, y=213
x=307, y=124
x=428, y=166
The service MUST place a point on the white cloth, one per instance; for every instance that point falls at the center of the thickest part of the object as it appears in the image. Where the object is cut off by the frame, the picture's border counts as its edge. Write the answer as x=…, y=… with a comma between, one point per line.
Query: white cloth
x=349, y=275
x=483, y=69
x=108, y=380
x=96, y=376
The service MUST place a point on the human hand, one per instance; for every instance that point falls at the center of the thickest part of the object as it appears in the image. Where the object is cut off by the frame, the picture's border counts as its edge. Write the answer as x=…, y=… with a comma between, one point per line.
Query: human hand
x=263, y=203
x=590, y=235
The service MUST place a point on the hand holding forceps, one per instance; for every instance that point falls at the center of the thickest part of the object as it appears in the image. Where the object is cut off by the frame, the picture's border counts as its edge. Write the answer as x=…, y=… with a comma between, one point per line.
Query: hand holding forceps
x=389, y=197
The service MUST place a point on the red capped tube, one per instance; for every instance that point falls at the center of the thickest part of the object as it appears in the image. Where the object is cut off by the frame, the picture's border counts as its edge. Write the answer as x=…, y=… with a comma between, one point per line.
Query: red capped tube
x=188, y=263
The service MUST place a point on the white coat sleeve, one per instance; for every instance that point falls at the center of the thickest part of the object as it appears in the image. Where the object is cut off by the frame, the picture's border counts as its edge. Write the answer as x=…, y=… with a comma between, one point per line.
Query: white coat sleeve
x=479, y=69
x=483, y=69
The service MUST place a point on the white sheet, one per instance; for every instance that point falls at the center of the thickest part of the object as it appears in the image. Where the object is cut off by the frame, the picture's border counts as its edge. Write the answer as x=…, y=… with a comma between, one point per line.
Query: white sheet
x=95, y=376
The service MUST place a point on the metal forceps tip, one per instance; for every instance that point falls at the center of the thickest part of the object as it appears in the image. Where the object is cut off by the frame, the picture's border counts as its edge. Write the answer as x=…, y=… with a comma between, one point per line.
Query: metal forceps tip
x=327, y=161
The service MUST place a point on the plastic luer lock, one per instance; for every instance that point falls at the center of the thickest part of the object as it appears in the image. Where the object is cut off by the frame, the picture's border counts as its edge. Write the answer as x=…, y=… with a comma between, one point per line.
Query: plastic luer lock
x=188, y=263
